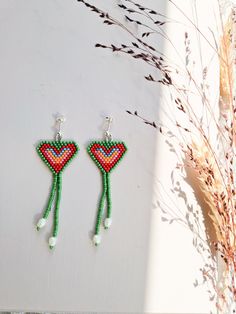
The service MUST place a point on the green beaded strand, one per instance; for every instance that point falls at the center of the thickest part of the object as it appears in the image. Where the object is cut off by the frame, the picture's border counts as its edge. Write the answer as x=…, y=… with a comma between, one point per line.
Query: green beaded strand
x=51, y=197
x=108, y=196
x=101, y=205
x=57, y=205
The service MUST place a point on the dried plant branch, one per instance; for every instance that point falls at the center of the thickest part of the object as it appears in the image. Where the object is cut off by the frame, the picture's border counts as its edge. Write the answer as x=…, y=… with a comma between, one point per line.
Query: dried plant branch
x=212, y=166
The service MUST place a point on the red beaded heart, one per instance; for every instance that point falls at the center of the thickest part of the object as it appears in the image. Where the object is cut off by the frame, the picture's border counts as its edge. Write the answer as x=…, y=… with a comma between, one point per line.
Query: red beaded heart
x=107, y=154
x=57, y=154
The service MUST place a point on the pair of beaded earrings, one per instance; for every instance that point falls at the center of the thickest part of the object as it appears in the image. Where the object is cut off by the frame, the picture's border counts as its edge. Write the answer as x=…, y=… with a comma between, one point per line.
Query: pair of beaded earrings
x=57, y=154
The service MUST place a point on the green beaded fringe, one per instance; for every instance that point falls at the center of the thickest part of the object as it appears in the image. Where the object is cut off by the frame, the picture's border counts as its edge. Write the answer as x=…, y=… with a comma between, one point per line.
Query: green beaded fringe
x=55, y=192
x=106, y=195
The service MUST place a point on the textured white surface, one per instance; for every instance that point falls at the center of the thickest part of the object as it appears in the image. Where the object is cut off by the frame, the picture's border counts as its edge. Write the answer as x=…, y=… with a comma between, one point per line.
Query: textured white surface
x=48, y=65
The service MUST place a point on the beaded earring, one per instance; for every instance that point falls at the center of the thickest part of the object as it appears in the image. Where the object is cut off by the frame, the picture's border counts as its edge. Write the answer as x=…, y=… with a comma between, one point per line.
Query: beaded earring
x=56, y=155
x=106, y=154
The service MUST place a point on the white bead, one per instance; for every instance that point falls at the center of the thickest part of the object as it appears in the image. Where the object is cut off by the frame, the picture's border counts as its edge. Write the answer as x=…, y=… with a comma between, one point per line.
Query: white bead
x=221, y=285
x=41, y=223
x=107, y=223
x=97, y=239
x=52, y=242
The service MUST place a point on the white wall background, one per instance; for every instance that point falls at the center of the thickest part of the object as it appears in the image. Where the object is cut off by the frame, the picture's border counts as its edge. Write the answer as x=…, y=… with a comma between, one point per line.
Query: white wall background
x=48, y=64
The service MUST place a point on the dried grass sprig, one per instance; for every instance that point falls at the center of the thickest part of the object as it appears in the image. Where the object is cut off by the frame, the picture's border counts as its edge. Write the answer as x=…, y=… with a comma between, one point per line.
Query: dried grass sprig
x=207, y=165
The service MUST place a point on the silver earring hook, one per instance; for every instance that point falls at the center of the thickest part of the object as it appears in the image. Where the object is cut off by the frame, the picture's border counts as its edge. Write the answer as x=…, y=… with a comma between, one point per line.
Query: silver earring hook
x=59, y=120
x=108, y=136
